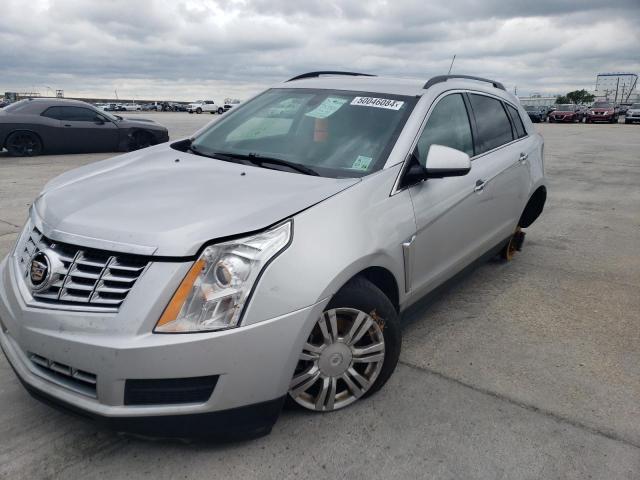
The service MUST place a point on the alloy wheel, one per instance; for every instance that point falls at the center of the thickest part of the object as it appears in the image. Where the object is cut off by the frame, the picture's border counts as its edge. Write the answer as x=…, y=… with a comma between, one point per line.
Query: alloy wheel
x=23, y=144
x=340, y=360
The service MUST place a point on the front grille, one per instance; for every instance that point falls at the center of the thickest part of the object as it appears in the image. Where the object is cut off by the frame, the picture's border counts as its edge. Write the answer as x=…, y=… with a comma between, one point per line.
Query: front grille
x=69, y=377
x=86, y=277
x=168, y=391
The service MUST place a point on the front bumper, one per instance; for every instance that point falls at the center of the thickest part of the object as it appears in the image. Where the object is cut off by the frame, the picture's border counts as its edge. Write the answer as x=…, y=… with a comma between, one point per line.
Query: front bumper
x=600, y=118
x=254, y=365
x=564, y=118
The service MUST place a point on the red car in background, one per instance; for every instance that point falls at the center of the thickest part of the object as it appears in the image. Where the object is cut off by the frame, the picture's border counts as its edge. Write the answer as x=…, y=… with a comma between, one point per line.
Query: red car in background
x=567, y=112
x=603, y=112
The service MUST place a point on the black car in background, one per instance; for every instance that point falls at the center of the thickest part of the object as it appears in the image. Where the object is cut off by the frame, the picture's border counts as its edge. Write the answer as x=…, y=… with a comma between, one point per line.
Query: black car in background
x=35, y=126
x=536, y=114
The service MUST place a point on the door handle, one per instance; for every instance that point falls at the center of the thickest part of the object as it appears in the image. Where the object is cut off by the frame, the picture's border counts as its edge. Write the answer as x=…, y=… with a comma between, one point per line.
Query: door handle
x=67, y=125
x=479, y=185
x=523, y=157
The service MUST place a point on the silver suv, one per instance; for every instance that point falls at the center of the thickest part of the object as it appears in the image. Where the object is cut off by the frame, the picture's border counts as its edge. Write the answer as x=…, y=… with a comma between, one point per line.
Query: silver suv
x=189, y=289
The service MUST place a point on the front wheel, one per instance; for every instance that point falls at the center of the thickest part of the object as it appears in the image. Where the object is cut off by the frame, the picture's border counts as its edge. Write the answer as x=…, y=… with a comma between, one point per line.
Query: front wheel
x=198, y=110
x=351, y=351
x=24, y=144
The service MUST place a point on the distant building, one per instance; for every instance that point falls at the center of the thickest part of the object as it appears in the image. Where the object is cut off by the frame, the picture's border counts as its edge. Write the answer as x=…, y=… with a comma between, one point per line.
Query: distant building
x=618, y=87
x=538, y=100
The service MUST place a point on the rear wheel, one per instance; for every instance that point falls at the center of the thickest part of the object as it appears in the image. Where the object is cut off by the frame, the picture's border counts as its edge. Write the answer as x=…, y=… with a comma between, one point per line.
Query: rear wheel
x=24, y=144
x=351, y=351
x=220, y=111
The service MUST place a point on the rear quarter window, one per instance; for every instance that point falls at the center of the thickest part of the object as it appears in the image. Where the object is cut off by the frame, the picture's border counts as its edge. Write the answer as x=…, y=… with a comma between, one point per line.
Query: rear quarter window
x=517, y=121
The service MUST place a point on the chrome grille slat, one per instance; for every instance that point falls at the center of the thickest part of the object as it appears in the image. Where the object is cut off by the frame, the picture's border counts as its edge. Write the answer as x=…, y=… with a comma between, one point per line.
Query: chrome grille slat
x=88, y=277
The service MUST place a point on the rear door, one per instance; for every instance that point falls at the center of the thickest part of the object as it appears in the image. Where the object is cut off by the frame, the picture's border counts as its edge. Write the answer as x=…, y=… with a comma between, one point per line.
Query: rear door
x=503, y=148
x=84, y=129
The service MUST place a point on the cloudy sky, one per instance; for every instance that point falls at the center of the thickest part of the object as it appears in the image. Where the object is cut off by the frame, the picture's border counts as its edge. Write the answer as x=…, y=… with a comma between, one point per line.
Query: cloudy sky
x=183, y=50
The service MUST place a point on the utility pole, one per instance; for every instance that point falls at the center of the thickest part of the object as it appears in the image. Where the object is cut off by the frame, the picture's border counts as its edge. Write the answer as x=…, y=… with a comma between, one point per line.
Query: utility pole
x=451, y=66
x=617, y=86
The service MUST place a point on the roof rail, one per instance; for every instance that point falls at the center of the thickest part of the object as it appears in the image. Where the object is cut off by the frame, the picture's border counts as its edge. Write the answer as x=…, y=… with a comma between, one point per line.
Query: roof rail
x=329, y=72
x=443, y=78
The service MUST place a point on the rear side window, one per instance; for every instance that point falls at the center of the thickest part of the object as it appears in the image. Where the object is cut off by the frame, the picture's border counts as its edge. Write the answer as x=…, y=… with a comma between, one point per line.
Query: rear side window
x=493, y=125
x=72, y=114
x=448, y=125
x=517, y=121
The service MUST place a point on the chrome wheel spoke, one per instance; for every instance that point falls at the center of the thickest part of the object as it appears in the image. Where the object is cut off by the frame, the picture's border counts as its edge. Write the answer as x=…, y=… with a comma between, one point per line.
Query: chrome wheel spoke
x=327, y=396
x=326, y=336
x=376, y=357
x=310, y=352
x=302, y=382
x=357, y=384
x=357, y=323
x=362, y=330
x=333, y=325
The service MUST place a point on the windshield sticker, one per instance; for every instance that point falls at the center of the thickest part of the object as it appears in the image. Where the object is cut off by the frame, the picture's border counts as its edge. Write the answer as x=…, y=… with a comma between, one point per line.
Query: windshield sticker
x=328, y=107
x=361, y=163
x=387, y=103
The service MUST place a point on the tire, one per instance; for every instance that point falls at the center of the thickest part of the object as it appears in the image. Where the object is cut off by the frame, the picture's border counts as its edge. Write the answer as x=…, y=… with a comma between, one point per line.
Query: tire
x=324, y=379
x=198, y=110
x=140, y=140
x=23, y=144
x=220, y=111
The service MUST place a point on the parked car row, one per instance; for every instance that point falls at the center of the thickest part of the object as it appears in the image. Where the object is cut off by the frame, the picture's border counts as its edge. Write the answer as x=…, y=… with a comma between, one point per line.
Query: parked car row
x=605, y=112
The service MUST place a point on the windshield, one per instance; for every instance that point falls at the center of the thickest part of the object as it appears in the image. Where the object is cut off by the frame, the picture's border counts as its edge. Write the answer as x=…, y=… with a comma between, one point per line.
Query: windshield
x=565, y=107
x=111, y=117
x=602, y=105
x=336, y=133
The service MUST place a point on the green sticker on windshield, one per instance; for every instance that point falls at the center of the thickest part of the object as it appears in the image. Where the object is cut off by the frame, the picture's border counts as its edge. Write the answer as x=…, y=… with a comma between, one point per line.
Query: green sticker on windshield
x=361, y=163
x=328, y=107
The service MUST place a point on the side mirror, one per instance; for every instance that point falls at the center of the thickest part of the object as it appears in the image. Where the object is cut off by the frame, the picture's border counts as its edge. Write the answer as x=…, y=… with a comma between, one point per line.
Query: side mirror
x=446, y=162
x=415, y=173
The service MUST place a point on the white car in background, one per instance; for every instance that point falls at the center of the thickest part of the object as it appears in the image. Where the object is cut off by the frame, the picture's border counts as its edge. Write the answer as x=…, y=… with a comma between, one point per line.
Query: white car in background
x=200, y=106
x=131, y=107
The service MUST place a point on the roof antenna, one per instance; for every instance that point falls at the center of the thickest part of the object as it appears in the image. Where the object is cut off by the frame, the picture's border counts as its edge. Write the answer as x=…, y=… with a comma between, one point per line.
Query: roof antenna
x=451, y=66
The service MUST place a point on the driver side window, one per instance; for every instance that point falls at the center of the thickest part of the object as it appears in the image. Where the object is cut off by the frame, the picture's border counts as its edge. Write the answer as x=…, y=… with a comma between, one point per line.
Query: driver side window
x=448, y=125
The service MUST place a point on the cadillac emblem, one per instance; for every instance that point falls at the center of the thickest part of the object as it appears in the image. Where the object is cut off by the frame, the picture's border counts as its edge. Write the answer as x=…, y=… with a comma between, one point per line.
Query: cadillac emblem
x=39, y=271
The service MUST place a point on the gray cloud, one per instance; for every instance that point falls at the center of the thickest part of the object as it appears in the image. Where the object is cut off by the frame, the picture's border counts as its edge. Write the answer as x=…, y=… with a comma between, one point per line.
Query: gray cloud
x=216, y=48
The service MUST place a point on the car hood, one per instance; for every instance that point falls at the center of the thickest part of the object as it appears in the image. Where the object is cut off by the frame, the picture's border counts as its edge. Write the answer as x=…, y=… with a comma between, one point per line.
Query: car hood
x=134, y=122
x=163, y=202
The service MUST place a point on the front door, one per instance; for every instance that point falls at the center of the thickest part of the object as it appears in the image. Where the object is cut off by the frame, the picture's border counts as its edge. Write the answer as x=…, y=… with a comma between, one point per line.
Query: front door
x=85, y=130
x=447, y=210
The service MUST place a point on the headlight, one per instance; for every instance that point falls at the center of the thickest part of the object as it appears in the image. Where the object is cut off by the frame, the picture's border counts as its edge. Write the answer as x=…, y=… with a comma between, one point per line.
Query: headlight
x=213, y=293
x=591, y=112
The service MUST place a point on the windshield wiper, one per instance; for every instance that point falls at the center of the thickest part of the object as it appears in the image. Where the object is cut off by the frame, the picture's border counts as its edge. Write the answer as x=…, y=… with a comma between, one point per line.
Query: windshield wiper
x=259, y=160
